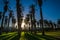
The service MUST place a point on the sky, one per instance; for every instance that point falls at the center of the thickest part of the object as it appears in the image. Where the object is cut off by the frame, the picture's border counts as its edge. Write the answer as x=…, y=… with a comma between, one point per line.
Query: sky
x=50, y=8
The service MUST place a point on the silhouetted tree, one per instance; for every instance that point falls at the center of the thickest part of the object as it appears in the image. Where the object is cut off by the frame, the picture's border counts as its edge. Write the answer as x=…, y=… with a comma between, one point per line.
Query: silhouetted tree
x=6, y=23
x=0, y=21
x=40, y=5
x=10, y=16
x=32, y=11
x=19, y=15
x=0, y=17
x=5, y=10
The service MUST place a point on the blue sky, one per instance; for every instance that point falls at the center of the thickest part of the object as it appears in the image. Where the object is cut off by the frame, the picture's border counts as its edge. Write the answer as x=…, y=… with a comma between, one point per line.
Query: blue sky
x=50, y=8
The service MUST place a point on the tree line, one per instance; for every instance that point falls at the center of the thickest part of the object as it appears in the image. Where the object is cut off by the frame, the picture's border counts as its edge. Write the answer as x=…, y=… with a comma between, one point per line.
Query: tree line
x=30, y=19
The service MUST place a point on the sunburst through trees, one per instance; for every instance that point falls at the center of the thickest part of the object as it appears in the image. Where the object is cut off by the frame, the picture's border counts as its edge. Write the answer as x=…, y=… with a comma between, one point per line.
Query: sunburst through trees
x=21, y=21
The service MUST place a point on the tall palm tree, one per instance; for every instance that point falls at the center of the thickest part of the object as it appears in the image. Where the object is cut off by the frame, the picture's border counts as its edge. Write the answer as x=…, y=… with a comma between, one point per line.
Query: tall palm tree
x=6, y=23
x=19, y=16
x=40, y=5
x=5, y=10
x=0, y=21
x=10, y=16
x=32, y=11
x=0, y=17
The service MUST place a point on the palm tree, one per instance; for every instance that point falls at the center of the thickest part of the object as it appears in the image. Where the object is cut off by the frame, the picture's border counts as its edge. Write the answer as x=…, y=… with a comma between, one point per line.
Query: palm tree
x=13, y=22
x=10, y=16
x=5, y=10
x=0, y=19
x=32, y=11
x=6, y=23
x=40, y=5
x=19, y=16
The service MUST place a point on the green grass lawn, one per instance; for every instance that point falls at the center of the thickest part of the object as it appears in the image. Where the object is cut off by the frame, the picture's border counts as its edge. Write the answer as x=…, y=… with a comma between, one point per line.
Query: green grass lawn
x=29, y=36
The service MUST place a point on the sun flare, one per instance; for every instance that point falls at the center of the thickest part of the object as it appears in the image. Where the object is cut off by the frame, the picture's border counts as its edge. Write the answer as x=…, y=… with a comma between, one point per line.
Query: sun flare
x=22, y=26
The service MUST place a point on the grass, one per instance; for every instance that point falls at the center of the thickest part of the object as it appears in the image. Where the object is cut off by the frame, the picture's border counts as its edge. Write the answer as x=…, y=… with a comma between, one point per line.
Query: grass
x=54, y=34
x=29, y=36
x=48, y=36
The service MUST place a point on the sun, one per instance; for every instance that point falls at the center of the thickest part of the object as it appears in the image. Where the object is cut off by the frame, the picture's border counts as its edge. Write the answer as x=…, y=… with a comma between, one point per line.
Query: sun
x=23, y=25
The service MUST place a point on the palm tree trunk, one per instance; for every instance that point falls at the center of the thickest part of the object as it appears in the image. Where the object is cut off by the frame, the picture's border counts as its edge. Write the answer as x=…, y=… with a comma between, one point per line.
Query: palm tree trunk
x=42, y=21
x=8, y=24
x=2, y=22
x=31, y=24
x=18, y=17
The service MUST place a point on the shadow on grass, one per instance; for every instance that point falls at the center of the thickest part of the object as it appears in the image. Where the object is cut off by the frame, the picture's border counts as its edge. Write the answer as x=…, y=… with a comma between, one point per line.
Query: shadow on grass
x=47, y=37
x=30, y=37
x=7, y=37
x=2, y=36
x=40, y=37
x=10, y=37
x=17, y=37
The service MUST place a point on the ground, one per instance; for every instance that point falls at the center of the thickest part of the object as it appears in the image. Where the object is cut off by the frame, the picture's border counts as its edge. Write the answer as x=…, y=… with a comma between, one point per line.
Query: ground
x=28, y=36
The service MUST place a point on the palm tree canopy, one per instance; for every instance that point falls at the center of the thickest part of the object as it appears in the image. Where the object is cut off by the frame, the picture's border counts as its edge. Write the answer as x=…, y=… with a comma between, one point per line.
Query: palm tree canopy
x=40, y=2
x=32, y=8
x=6, y=6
